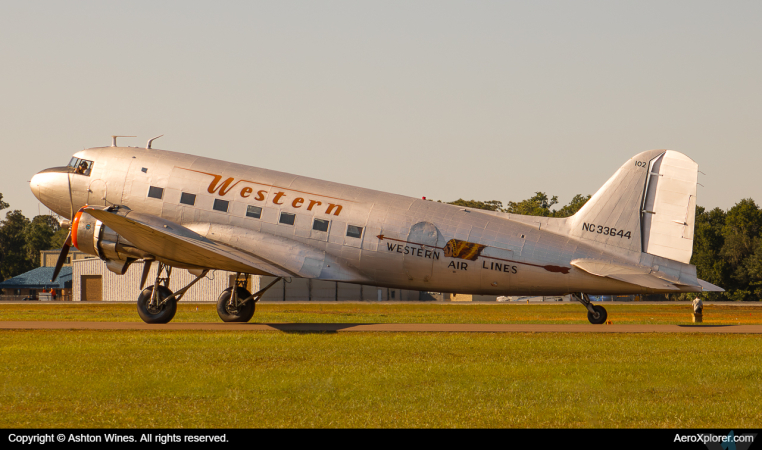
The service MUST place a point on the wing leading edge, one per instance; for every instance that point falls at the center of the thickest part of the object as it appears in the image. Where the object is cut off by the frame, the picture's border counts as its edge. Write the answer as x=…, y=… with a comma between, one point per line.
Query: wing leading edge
x=176, y=244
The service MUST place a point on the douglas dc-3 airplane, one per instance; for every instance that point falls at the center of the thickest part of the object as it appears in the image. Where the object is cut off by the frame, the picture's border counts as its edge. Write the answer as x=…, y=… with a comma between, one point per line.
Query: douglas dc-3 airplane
x=125, y=204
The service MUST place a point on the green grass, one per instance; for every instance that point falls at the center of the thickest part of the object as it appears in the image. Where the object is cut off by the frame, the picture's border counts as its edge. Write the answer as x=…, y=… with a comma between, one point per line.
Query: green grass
x=340, y=312
x=272, y=379
x=156, y=379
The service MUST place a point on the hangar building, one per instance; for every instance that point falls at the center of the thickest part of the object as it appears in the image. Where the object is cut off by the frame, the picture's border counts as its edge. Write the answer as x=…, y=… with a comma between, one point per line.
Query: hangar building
x=92, y=281
x=35, y=283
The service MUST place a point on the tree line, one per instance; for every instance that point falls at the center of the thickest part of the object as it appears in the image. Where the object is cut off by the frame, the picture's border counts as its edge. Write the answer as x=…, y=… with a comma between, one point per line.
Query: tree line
x=538, y=205
x=22, y=239
x=727, y=245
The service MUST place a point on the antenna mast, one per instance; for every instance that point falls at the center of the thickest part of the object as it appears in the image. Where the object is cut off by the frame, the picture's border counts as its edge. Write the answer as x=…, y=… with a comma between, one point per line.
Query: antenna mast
x=113, y=139
x=148, y=145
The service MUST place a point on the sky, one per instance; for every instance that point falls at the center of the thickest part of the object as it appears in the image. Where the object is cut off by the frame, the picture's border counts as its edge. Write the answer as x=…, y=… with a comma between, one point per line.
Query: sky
x=473, y=99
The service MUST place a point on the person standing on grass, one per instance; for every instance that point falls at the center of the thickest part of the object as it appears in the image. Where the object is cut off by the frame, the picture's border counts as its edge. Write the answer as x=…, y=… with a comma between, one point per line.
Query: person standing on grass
x=698, y=306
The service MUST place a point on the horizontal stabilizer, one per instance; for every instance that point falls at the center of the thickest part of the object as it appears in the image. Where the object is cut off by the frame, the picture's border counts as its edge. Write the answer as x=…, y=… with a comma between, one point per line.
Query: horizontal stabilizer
x=637, y=275
x=606, y=268
x=645, y=280
x=709, y=287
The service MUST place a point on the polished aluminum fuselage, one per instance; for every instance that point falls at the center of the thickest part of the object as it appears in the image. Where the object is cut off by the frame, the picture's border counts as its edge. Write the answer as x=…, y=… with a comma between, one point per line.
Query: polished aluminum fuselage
x=403, y=242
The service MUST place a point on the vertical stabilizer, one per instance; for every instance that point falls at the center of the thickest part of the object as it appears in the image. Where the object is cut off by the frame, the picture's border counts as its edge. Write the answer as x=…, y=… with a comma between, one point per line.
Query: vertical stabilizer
x=648, y=205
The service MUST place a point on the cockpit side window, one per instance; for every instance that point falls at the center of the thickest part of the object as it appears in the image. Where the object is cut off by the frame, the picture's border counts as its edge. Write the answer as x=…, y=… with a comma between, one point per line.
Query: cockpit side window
x=81, y=166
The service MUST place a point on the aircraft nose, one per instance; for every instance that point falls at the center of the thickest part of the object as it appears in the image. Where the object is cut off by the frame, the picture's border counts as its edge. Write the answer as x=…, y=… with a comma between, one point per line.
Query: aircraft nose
x=34, y=185
x=51, y=188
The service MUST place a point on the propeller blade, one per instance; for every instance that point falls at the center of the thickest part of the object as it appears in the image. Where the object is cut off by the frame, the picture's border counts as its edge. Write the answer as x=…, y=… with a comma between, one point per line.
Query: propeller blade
x=62, y=257
x=71, y=199
x=144, y=277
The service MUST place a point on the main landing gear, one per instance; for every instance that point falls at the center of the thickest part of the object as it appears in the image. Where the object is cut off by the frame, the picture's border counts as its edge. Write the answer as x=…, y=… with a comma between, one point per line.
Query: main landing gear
x=157, y=304
x=236, y=303
x=596, y=314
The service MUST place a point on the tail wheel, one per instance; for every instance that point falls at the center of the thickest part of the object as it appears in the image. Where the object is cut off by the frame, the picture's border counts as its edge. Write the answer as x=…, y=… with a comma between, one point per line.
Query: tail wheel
x=160, y=313
x=601, y=315
x=232, y=313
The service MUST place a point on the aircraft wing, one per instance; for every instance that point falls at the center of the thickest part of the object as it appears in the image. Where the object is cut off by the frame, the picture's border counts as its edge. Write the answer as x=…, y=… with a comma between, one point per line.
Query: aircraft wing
x=172, y=242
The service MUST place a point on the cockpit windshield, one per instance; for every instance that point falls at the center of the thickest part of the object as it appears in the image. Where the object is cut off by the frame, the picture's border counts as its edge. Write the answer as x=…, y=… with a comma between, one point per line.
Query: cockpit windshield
x=81, y=166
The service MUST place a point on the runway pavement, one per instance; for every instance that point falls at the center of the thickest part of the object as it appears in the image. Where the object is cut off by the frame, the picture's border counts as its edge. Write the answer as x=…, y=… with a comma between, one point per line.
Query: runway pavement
x=388, y=327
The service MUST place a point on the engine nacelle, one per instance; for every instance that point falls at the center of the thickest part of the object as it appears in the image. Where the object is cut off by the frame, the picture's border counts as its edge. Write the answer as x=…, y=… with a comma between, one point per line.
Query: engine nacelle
x=91, y=236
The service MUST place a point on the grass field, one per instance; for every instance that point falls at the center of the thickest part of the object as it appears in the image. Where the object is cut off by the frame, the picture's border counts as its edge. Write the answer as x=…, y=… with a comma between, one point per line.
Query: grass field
x=341, y=312
x=273, y=379
x=268, y=379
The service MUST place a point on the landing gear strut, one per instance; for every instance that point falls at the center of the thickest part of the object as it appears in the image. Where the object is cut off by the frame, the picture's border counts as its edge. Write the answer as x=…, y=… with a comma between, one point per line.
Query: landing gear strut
x=157, y=304
x=236, y=303
x=596, y=314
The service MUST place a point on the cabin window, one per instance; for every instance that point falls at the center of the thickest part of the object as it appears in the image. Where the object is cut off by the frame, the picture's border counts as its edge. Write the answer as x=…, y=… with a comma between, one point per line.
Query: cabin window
x=253, y=211
x=220, y=205
x=155, y=192
x=353, y=231
x=188, y=199
x=320, y=225
x=287, y=218
x=81, y=166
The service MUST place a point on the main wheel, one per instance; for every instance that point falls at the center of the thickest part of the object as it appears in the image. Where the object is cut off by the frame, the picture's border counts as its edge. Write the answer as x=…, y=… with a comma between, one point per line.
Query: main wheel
x=156, y=314
x=230, y=313
x=602, y=315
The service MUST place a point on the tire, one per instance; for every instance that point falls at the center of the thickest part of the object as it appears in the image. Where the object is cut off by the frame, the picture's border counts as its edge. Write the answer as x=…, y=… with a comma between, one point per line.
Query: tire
x=164, y=314
x=602, y=315
x=243, y=313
